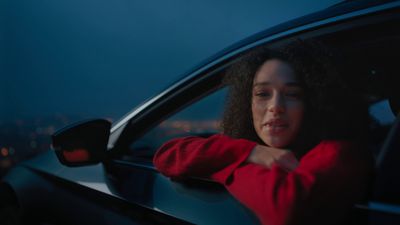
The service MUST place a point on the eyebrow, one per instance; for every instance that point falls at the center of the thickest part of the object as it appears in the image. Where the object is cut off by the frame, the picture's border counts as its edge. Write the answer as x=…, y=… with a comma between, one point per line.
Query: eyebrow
x=290, y=84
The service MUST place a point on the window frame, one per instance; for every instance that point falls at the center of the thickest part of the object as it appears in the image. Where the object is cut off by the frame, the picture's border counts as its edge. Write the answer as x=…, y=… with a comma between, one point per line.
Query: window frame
x=170, y=102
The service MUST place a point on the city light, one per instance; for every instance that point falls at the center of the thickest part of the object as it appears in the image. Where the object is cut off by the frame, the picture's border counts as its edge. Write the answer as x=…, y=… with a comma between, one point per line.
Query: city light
x=4, y=151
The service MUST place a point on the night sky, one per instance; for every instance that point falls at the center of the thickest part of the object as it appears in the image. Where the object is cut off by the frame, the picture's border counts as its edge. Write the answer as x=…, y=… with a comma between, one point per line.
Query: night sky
x=99, y=58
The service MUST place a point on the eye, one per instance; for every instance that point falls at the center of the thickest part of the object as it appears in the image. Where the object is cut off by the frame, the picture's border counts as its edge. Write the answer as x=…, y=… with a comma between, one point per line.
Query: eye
x=262, y=94
x=294, y=94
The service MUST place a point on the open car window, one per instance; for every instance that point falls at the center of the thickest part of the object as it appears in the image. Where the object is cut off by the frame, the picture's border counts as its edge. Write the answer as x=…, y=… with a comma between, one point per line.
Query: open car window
x=373, y=51
x=201, y=118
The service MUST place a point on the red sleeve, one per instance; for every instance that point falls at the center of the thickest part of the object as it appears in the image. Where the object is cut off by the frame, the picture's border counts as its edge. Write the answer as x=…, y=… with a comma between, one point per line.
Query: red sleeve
x=327, y=182
x=215, y=157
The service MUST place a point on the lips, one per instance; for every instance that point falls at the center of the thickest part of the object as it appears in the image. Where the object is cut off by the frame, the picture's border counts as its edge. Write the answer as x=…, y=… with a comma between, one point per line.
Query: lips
x=276, y=123
x=276, y=126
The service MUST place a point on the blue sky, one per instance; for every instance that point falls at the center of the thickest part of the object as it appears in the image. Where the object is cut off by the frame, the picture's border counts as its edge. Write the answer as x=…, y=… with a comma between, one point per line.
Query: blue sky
x=100, y=58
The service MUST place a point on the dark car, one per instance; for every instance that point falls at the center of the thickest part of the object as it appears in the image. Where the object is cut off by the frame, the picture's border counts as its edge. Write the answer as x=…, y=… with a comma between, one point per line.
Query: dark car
x=100, y=173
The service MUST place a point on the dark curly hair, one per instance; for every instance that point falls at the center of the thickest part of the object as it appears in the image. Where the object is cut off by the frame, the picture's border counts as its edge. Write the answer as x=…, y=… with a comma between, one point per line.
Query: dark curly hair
x=333, y=109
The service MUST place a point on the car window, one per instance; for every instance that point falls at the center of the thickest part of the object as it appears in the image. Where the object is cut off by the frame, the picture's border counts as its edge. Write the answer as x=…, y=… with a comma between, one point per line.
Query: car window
x=373, y=56
x=201, y=118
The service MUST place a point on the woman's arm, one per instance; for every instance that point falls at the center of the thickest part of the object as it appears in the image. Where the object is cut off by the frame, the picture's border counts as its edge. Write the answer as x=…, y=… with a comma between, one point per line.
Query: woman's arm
x=325, y=185
x=215, y=157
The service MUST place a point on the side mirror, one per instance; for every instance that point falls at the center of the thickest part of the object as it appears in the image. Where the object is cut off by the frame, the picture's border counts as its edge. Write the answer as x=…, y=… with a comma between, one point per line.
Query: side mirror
x=81, y=144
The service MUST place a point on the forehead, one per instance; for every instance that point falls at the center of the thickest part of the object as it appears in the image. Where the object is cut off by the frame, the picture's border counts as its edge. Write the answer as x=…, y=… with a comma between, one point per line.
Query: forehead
x=275, y=71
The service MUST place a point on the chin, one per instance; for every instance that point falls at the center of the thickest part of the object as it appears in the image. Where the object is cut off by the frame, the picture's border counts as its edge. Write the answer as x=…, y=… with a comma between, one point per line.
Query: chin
x=276, y=144
x=279, y=146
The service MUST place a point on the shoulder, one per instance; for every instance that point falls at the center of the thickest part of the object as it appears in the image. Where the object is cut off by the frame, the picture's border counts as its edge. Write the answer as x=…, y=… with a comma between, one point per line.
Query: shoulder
x=339, y=153
x=335, y=147
x=336, y=144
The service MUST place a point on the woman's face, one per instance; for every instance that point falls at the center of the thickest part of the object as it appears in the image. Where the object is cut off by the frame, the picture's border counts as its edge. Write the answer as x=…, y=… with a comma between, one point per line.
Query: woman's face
x=277, y=104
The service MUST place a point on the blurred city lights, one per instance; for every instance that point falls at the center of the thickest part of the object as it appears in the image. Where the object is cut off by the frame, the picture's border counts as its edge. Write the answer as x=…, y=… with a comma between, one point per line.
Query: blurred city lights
x=4, y=151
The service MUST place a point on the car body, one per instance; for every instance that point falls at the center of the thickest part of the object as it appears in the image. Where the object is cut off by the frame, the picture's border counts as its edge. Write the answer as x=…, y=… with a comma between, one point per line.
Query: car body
x=121, y=185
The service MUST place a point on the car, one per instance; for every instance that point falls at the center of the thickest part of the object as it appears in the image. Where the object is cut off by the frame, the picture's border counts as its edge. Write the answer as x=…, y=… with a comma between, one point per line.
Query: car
x=102, y=173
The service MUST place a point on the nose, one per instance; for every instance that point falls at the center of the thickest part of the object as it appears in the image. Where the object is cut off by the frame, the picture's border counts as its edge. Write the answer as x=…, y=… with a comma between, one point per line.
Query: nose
x=277, y=104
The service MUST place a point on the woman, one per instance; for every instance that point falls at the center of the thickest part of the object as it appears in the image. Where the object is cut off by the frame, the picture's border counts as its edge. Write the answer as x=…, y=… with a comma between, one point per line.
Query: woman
x=290, y=148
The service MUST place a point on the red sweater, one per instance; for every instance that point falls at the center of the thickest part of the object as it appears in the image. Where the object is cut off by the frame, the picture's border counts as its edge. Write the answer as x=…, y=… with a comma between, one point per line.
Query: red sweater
x=330, y=178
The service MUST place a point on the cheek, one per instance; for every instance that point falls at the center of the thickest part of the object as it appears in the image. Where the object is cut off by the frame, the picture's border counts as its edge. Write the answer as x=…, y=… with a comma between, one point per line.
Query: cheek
x=257, y=111
x=296, y=113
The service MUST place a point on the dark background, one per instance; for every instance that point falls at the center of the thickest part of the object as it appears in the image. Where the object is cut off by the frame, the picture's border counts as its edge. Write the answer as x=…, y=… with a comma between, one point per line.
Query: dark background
x=68, y=60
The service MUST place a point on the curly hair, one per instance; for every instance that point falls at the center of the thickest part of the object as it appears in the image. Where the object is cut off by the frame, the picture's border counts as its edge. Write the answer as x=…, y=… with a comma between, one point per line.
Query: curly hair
x=333, y=109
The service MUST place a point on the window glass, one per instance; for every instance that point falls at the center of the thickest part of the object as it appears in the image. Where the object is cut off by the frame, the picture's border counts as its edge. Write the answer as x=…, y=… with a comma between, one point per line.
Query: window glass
x=201, y=118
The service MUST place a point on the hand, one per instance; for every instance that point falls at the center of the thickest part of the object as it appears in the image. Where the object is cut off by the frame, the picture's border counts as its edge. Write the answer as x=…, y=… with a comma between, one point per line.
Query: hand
x=267, y=156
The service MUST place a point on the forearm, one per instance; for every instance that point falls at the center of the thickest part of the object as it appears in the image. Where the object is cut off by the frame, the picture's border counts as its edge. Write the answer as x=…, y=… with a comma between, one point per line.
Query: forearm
x=215, y=157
